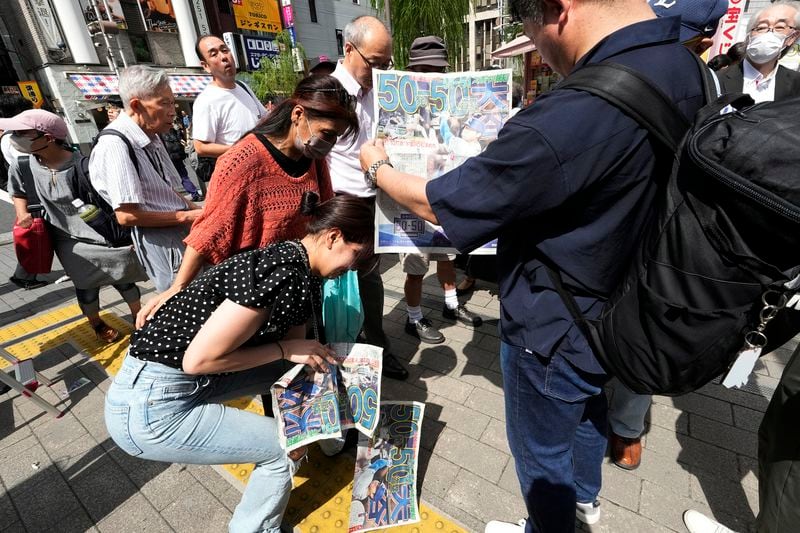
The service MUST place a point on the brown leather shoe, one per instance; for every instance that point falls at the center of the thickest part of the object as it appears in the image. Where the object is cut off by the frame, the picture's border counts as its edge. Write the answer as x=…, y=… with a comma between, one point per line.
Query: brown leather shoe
x=626, y=453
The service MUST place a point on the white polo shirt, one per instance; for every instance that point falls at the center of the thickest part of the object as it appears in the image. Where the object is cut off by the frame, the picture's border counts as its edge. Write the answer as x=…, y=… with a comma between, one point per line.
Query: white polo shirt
x=346, y=174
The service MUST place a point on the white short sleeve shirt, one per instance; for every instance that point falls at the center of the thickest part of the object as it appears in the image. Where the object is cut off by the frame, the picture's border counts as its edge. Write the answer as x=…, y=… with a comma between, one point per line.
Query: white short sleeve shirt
x=223, y=116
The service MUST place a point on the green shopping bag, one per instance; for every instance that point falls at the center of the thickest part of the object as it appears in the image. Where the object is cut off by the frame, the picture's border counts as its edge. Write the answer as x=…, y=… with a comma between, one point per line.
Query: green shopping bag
x=342, y=314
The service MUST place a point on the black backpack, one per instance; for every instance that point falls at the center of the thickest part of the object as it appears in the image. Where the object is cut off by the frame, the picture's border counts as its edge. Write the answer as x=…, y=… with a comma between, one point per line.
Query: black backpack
x=708, y=277
x=106, y=224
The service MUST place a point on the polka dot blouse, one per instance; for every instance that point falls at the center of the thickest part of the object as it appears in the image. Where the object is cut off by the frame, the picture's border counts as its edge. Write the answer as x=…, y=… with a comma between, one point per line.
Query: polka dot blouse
x=276, y=278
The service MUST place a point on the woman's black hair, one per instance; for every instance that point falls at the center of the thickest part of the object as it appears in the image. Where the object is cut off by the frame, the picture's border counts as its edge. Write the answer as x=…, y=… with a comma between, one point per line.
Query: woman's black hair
x=320, y=97
x=353, y=216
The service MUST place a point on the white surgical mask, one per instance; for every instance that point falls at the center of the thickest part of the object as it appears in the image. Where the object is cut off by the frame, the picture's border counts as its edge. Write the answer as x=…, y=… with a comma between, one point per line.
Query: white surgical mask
x=765, y=47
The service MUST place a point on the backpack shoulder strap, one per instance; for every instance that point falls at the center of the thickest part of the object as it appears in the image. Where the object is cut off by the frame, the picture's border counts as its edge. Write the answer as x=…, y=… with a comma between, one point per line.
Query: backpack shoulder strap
x=120, y=135
x=249, y=91
x=24, y=163
x=637, y=97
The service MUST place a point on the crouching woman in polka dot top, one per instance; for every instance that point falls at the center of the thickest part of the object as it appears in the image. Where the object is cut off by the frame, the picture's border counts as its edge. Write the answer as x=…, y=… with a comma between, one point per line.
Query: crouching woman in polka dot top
x=225, y=336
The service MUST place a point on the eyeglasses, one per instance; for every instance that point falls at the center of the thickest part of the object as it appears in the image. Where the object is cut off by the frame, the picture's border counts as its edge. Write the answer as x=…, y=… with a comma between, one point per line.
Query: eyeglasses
x=777, y=28
x=372, y=64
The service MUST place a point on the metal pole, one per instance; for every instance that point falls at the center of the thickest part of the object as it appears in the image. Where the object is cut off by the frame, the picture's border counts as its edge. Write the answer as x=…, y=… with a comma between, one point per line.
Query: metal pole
x=109, y=53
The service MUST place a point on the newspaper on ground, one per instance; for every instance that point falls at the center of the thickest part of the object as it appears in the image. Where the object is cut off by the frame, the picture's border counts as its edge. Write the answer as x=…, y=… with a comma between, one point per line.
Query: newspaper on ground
x=311, y=406
x=385, y=482
x=431, y=123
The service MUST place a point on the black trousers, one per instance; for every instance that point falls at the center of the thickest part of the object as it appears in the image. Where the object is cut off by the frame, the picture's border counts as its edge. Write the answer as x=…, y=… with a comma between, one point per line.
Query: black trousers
x=779, y=456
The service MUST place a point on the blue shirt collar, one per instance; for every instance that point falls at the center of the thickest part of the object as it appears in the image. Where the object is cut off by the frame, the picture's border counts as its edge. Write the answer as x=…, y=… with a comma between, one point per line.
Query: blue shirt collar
x=650, y=32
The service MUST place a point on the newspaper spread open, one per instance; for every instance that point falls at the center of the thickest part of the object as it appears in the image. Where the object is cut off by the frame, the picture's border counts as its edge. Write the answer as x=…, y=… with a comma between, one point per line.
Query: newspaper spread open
x=310, y=406
x=430, y=124
x=385, y=482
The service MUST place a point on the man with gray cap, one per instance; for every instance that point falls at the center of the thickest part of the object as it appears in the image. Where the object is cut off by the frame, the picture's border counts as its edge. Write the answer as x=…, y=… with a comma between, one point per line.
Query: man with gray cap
x=429, y=54
x=143, y=192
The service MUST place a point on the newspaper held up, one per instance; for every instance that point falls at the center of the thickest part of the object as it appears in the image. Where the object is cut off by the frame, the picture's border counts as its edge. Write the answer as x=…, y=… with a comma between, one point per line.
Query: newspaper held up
x=430, y=124
x=385, y=482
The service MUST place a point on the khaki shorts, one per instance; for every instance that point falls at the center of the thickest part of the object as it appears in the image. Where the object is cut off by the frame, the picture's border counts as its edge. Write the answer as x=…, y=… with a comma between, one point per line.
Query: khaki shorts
x=417, y=264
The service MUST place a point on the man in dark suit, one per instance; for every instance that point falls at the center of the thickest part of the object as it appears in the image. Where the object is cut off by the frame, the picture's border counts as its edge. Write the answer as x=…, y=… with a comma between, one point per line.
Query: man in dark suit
x=770, y=34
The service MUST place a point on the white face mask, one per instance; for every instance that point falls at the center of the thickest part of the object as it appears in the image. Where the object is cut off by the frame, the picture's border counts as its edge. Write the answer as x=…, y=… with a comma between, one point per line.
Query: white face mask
x=765, y=47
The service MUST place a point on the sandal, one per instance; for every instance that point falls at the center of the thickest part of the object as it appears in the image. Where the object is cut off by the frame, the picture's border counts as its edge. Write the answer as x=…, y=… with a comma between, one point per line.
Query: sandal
x=105, y=333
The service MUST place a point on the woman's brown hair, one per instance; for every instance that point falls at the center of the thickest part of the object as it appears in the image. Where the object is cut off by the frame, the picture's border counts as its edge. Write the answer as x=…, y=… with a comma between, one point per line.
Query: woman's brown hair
x=320, y=97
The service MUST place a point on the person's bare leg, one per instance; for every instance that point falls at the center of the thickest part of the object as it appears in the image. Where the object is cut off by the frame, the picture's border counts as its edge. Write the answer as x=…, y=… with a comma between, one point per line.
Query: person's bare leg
x=453, y=310
x=413, y=290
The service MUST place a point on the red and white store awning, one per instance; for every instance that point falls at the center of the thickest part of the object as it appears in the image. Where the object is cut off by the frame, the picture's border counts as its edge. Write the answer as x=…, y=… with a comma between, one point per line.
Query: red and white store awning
x=515, y=47
x=100, y=86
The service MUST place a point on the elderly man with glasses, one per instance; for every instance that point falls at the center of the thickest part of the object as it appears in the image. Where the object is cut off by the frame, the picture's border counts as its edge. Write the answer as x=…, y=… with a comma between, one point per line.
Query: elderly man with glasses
x=771, y=33
x=368, y=45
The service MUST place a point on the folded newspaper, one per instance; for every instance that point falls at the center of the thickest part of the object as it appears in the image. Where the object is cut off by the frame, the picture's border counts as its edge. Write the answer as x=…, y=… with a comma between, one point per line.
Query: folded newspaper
x=385, y=482
x=312, y=406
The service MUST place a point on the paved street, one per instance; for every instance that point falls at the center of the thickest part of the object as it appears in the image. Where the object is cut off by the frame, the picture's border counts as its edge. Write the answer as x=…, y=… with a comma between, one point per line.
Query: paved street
x=66, y=475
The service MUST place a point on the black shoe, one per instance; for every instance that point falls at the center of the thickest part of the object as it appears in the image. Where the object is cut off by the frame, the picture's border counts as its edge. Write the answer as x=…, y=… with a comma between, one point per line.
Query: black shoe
x=424, y=331
x=466, y=290
x=27, y=284
x=464, y=316
x=393, y=368
x=197, y=197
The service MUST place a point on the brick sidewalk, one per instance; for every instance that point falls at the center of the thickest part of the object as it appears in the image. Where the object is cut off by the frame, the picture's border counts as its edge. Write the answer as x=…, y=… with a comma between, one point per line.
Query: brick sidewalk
x=66, y=475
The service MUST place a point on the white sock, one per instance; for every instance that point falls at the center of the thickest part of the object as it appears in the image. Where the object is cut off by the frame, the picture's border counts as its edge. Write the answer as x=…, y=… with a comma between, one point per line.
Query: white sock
x=414, y=313
x=450, y=298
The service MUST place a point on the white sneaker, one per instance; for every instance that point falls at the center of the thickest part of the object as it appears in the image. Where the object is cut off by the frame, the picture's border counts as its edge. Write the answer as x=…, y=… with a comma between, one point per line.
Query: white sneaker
x=495, y=526
x=697, y=522
x=588, y=513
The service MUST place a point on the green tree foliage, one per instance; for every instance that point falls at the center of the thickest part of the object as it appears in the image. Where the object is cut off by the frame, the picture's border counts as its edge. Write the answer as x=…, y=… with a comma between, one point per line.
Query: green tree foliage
x=416, y=18
x=277, y=78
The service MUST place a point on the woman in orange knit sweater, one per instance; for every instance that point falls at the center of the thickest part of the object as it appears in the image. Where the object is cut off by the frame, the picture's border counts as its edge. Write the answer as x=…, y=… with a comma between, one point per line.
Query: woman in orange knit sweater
x=255, y=192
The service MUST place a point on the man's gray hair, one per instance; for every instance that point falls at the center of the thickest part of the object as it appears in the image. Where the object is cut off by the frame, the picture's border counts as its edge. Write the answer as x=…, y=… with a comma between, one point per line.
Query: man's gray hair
x=527, y=10
x=140, y=81
x=794, y=5
x=356, y=29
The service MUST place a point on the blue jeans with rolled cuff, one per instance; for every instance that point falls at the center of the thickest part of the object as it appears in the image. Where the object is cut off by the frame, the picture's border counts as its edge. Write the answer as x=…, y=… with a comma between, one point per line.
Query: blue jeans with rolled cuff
x=156, y=412
x=556, y=426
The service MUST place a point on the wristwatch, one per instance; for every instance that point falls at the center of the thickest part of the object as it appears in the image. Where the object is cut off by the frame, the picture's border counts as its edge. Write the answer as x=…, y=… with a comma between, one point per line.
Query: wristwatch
x=371, y=174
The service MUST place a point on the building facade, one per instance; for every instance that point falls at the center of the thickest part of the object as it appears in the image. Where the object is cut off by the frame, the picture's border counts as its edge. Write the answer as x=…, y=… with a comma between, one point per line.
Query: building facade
x=64, y=54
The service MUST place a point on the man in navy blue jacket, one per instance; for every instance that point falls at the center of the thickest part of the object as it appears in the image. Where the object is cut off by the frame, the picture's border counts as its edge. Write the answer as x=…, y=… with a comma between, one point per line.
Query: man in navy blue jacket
x=570, y=180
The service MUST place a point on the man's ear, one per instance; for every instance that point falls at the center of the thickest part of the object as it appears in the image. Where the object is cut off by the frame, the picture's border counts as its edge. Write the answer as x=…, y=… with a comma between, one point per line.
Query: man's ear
x=791, y=39
x=135, y=105
x=556, y=10
x=205, y=66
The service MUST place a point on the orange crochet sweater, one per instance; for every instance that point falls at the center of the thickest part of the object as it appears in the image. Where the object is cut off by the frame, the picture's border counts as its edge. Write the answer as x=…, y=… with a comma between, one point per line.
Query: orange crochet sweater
x=252, y=202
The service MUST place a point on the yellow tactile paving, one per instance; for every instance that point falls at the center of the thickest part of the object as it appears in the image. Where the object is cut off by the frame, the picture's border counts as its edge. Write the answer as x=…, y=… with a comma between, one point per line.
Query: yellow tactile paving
x=320, y=501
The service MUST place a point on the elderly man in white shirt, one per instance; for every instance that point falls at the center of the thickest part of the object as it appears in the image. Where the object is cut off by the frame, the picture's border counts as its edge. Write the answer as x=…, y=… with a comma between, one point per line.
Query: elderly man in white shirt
x=368, y=45
x=143, y=192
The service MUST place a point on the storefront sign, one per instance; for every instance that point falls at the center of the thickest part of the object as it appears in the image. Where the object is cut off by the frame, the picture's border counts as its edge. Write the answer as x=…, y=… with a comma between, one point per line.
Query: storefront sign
x=730, y=28
x=201, y=17
x=288, y=16
x=259, y=15
x=257, y=47
x=158, y=15
x=228, y=38
x=47, y=24
x=30, y=91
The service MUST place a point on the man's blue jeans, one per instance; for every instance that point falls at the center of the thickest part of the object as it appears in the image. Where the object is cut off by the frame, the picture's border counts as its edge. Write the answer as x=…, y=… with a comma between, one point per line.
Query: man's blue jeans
x=160, y=413
x=556, y=425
